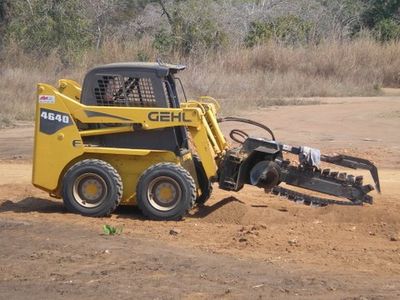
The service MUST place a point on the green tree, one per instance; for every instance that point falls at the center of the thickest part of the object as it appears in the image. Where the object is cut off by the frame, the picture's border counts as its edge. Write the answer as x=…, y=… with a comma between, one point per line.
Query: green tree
x=43, y=26
x=5, y=15
x=259, y=32
x=192, y=27
x=387, y=30
x=379, y=10
x=289, y=29
x=382, y=17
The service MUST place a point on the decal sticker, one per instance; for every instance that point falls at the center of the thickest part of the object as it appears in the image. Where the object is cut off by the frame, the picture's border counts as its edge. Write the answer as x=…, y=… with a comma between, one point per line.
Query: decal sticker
x=51, y=121
x=47, y=99
x=165, y=116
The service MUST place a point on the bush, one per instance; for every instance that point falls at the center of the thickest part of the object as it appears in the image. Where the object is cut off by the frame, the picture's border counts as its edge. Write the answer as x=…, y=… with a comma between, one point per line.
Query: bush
x=192, y=28
x=163, y=41
x=387, y=30
x=378, y=10
x=259, y=32
x=289, y=29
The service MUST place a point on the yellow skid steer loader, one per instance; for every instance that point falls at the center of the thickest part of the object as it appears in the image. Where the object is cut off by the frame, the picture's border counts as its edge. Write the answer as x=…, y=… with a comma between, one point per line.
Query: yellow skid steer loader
x=125, y=137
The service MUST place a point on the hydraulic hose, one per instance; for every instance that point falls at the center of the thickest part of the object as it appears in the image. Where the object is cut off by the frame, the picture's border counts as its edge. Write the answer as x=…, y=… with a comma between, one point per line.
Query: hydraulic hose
x=247, y=121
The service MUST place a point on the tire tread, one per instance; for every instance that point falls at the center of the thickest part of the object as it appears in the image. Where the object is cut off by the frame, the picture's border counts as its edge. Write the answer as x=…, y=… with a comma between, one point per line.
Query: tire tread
x=116, y=178
x=176, y=169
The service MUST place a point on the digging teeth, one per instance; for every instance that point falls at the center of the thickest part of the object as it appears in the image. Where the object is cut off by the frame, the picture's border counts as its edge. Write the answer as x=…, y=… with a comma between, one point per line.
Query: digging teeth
x=367, y=188
x=342, y=176
x=275, y=191
x=325, y=172
x=306, y=199
x=368, y=199
x=301, y=198
x=334, y=174
x=359, y=180
x=351, y=179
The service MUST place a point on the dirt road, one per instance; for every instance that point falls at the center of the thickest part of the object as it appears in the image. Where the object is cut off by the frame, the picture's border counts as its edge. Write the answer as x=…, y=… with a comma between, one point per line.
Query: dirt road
x=241, y=245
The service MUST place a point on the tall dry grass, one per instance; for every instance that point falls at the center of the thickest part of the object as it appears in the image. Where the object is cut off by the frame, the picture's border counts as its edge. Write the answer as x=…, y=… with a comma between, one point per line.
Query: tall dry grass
x=240, y=78
x=247, y=78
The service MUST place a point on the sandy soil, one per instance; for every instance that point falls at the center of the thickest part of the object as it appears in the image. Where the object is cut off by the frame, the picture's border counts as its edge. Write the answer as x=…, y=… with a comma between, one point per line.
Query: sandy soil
x=241, y=245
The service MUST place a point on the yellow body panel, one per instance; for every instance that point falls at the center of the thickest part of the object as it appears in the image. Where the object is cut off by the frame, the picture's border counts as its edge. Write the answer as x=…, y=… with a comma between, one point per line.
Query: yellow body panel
x=52, y=152
x=70, y=88
x=58, y=140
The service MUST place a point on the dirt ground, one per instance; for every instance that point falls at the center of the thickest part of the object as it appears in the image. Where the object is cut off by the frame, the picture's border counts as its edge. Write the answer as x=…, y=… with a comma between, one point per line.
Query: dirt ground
x=240, y=245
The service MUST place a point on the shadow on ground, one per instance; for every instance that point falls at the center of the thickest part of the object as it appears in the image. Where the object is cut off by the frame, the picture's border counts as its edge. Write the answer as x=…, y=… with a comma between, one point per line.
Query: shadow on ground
x=204, y=210
x=33, y=204
x=42, y=205
x=128, y=212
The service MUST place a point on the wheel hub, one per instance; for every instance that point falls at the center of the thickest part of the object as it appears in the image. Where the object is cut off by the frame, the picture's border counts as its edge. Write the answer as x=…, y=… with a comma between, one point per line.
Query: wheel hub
x=164, y=193
x=90, y=190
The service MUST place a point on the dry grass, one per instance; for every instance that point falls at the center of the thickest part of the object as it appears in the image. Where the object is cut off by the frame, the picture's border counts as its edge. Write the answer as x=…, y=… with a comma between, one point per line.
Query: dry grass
x=271, y=74
x=247, y=78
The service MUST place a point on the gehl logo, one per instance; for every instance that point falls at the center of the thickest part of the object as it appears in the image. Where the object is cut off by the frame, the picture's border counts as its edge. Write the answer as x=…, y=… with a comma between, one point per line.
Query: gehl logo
x=166, y=116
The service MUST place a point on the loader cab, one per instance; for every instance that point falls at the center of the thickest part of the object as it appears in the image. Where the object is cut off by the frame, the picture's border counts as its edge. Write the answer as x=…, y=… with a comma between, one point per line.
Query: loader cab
x=136, y=85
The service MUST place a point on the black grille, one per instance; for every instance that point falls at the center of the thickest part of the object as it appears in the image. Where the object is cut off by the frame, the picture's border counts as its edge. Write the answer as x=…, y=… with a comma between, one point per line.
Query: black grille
x=115, y=90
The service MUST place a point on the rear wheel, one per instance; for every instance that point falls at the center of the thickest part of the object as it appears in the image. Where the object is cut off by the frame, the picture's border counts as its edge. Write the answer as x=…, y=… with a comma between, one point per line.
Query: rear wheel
x=165, y=191
x=92, y=187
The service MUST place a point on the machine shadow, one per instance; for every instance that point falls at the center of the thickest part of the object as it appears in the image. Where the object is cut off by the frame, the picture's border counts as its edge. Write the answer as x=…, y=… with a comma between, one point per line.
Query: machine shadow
x=204, y=210
x=33, y=204
x=128, y=212
x=42, y=205
x=198, y=212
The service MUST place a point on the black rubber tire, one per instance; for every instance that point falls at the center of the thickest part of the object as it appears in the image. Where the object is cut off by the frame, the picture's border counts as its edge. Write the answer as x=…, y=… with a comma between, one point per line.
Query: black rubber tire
x=187, y=187
x=205, y=184
x=111, y=178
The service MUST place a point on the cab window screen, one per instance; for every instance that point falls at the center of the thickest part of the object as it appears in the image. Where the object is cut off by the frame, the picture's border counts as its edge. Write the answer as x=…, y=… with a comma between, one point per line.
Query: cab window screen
x=117, y=90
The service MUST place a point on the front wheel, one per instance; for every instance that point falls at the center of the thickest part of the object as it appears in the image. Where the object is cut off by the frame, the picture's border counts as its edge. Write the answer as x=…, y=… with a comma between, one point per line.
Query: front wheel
x=92, y=187
x=165, y=191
